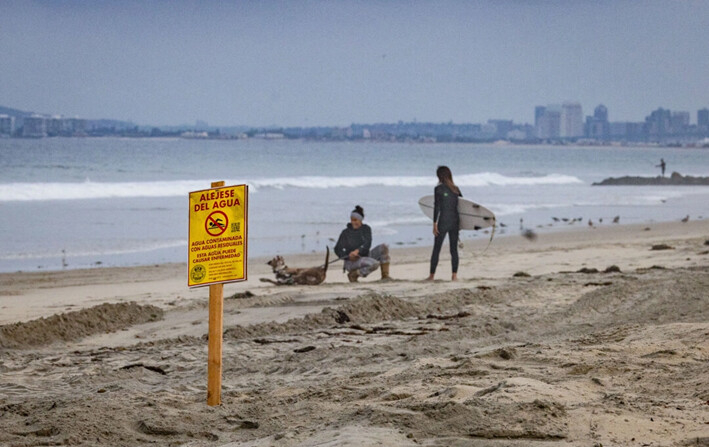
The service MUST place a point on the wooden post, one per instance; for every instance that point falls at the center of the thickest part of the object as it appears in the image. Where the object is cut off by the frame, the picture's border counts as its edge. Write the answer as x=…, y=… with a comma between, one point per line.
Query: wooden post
x=216, y=325
x=214, y=356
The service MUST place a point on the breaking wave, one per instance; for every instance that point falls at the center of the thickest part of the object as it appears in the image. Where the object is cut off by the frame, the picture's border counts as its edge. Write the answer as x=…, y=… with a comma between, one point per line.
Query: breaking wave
x=14, y=192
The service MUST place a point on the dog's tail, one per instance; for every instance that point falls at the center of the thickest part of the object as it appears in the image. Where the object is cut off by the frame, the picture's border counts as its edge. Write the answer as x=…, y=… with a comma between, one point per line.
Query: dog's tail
x=327, y=258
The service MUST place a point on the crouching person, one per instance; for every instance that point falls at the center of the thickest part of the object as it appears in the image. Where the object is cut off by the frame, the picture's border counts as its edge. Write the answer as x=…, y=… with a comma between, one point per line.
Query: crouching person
x=354, y=247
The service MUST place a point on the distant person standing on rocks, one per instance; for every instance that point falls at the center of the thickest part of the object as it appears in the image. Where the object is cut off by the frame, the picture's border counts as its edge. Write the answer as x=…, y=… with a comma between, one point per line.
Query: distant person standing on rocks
x=662, y=166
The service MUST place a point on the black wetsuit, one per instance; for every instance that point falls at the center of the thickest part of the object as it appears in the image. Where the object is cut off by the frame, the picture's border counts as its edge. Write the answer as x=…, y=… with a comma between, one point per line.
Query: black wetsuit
x=445, y=213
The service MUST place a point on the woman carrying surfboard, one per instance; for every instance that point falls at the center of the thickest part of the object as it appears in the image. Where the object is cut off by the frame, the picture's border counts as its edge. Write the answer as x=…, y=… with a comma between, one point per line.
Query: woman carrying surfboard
x=354, y=245
x=445, y=219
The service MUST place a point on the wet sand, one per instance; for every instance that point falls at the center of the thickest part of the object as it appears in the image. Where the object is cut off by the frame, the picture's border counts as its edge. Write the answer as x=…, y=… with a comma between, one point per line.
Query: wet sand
x=117, y=356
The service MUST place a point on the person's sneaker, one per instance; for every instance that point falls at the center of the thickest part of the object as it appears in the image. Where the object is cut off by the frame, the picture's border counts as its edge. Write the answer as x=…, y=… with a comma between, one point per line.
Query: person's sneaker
x=353, y=275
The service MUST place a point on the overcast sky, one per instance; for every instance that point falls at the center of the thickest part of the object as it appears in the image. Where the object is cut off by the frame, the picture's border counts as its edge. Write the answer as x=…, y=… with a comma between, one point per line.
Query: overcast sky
x=307, y=63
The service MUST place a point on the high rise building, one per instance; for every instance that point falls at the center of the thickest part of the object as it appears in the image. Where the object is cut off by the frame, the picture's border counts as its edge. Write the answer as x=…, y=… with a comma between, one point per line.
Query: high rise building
x=657, y=125
x=571, y=120
x=538, y=113
x=547, y=121
x=703, y=118
x=679, y=122
x=601, y=113
x=597, y=126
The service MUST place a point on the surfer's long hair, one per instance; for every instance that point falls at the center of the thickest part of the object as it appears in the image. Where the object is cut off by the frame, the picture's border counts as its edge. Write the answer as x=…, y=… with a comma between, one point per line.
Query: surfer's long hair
x=446, y=177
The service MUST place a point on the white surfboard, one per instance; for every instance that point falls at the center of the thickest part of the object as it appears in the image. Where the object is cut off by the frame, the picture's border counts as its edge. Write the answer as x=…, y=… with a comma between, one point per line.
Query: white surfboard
x=472, y=215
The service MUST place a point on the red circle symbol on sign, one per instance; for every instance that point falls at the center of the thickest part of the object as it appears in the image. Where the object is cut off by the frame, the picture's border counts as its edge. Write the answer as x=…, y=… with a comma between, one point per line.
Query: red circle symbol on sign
x=216, y=223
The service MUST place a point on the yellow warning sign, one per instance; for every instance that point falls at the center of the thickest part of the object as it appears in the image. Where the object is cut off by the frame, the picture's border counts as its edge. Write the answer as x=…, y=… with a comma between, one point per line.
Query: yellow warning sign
x=217, y=235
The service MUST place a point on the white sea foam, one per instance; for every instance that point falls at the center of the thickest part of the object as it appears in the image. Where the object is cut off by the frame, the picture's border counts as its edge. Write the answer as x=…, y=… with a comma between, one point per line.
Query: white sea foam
x=499, y=210
x=10, y=192
x=519, y=208
x=407, y=220
x=479, y=179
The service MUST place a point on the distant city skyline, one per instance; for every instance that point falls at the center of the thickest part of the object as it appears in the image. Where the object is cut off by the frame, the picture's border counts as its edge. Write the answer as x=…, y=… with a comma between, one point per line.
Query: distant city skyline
x=553, y=122
x=568, y=111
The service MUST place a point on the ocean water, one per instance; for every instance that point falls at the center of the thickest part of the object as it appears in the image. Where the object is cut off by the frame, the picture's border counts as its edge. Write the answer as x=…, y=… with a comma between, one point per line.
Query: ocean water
x=73, y=203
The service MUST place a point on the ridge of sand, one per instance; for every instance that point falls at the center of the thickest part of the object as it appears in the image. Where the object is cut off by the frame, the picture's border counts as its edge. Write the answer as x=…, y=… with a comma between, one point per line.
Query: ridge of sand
x=70, y=326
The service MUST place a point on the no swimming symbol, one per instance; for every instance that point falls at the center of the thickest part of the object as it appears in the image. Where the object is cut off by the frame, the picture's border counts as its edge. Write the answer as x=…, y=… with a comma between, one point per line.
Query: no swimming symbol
x=216, y=223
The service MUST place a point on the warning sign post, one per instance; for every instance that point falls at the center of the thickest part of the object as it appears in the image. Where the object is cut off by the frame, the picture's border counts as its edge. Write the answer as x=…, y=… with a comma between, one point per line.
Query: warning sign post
x=217, y=239
x=217, y=254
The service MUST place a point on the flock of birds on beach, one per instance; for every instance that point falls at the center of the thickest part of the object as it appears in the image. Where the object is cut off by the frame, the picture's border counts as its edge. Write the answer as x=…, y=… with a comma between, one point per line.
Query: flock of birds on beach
x=565, y=220
x=616, y=220
x=531, y=235
x=571, y=221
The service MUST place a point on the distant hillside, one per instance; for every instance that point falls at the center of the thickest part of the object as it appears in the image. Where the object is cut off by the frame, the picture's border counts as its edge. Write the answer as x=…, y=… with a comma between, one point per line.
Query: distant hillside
x=14, y=112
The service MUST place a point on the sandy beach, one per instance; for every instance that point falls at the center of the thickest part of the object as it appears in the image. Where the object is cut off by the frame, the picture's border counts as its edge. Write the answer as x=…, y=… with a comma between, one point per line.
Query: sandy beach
x=586, y=337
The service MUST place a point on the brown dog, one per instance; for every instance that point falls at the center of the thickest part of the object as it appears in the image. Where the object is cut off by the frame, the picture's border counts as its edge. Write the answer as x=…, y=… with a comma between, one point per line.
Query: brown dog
x=286, y=276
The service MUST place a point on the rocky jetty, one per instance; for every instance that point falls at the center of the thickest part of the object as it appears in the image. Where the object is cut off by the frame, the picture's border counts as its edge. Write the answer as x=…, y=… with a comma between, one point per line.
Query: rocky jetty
x=675, y=179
